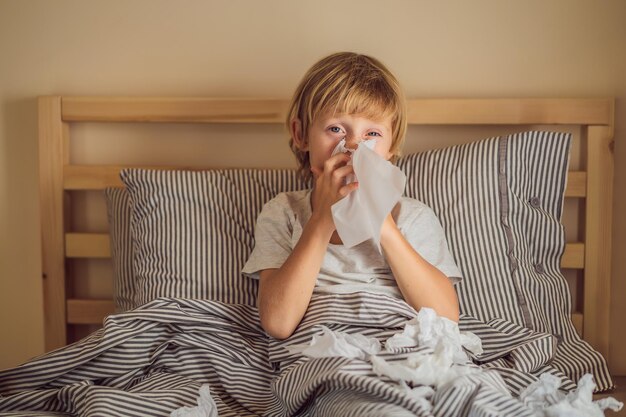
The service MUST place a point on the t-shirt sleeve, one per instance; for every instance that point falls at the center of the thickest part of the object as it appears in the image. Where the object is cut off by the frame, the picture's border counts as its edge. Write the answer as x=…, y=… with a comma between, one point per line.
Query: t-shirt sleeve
x=272, y=238
x=425, y=234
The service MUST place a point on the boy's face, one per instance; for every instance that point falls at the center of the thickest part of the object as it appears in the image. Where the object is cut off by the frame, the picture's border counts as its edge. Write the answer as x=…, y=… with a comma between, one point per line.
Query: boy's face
x=327, y=130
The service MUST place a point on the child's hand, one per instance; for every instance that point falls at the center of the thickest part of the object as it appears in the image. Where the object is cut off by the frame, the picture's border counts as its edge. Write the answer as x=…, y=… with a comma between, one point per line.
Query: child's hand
x=330, y=187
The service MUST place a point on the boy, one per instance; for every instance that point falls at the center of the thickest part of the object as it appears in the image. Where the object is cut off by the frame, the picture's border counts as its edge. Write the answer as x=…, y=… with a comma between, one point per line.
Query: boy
x=298, y=251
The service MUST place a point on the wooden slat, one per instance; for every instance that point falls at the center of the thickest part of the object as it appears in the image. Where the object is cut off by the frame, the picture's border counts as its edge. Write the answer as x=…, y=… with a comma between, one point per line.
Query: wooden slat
x=87, y=245
x=597, y=278
x=509, y=111
x=420, y=111
x=80, y=311
x=574, y=256
x=99, y=177
x=576, y=184
x=52, y=155
x=172, y=109
x=577, y=320
x=96, y=177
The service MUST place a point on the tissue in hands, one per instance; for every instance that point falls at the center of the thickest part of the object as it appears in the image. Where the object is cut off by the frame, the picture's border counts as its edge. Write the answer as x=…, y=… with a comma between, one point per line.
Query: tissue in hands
x=359, y=216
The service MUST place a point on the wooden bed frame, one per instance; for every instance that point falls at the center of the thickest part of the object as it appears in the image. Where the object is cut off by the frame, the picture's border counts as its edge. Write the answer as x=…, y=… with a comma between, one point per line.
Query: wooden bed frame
x=59, y=178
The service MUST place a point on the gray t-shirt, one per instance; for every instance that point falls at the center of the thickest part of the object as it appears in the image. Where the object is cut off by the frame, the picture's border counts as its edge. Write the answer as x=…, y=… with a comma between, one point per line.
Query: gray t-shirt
x=346, y=270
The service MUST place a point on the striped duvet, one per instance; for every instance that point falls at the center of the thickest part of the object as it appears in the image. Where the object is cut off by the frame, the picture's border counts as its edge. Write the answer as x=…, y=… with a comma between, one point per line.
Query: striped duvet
x=153, y=360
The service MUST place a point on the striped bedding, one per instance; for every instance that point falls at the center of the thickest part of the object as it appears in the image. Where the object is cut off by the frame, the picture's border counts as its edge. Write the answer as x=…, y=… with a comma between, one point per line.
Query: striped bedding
x=154, y=359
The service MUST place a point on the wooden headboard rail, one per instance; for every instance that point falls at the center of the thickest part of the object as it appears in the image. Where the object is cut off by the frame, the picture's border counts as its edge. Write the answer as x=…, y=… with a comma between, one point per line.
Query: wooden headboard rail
x=58, y=177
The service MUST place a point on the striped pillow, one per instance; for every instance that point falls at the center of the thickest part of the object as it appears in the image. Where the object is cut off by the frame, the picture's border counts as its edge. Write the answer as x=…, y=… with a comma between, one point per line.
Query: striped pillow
x=192, y=231
x=500, y=202
x=119, y=214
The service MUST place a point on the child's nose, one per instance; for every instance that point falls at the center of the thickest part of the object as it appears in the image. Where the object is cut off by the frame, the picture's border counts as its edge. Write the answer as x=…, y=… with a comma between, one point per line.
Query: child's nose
x=352, y=141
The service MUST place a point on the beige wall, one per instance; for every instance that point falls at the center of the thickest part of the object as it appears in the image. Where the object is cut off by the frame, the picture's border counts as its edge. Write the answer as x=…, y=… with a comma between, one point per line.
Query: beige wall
x=492, y=48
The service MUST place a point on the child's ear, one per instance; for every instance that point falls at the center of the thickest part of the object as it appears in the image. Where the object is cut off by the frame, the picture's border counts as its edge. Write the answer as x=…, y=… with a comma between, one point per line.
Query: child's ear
x=298, y=135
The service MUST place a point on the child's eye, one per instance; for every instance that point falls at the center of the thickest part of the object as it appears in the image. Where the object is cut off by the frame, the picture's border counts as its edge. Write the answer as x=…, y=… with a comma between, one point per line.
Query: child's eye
x=335, y=129
x=373, y=134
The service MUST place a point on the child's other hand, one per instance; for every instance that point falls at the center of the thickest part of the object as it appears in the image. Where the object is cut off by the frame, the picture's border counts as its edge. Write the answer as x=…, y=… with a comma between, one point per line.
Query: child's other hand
x=330, y=187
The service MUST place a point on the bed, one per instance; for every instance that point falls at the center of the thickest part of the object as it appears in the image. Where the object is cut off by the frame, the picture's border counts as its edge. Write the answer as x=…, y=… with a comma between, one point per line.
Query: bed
x=526, y=165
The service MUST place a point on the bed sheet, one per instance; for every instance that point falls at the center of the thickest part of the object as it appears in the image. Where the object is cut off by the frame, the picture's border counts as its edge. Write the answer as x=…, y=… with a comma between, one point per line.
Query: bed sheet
x=154, y=360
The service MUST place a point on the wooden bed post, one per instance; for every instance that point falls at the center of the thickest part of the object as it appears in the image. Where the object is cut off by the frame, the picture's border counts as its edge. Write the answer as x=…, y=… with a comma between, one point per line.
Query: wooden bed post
x=53, y=154
x=599, y=209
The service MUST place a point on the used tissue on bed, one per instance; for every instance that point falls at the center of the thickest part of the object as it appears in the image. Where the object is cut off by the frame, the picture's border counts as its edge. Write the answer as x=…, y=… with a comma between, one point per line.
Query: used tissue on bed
x=544, y=397
x=446, y=364
x=360, y=215
x=331, y=344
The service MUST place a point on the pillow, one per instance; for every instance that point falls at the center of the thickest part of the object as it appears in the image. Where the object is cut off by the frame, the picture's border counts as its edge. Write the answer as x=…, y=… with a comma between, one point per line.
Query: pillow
x=119, y=214
x=500, y=202
x=192, y=231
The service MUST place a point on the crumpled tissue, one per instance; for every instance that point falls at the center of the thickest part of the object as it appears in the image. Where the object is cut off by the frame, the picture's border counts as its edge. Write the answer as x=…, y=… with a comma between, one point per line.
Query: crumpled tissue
x=543, y=397
x=423, y=368
x=206, y=406
x=332, y=344
x=359, y=216
x=437, y=368
x=439, y=333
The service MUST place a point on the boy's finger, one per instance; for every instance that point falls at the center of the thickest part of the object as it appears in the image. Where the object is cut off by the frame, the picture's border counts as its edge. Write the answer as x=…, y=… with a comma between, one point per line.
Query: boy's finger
x=331, y=163
x=347, y=189
x=340, y=175
x=344, y=171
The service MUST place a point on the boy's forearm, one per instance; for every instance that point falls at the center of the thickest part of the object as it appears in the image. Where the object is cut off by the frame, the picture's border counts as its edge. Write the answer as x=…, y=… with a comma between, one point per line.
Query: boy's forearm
x=284, y=293
x=421, y=284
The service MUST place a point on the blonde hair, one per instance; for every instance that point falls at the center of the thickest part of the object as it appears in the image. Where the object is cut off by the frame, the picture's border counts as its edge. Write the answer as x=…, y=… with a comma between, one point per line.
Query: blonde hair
x=347, y=83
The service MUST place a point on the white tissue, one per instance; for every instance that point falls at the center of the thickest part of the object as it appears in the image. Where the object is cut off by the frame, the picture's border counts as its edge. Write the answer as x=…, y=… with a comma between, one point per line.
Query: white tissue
x=438, y=333
x=331, y=344
x=544, y=397
x=359, y=216
x=206, y=406
x=437, y=368
x=423, y=368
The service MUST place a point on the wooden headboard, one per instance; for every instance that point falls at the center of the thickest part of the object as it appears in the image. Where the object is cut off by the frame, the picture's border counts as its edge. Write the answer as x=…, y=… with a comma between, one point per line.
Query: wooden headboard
x=59, y=178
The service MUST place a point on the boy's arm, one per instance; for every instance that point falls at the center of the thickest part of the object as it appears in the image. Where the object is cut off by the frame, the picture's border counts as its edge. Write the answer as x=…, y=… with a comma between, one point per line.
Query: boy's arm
x=421, y=284
x=285, y=293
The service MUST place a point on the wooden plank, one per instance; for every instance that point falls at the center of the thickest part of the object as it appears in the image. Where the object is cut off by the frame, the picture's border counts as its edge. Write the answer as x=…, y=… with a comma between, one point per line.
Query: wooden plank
x=87, y=245
x=94, y=177
x=81, y=311
x=576, y=184
x=419, y=111
x=577, y=320
x=597, y=279
x=52, y=154
x=574, y=256
x=99, y=177
x=174, y=109
x=509, y=111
